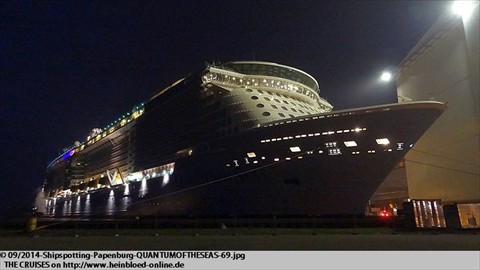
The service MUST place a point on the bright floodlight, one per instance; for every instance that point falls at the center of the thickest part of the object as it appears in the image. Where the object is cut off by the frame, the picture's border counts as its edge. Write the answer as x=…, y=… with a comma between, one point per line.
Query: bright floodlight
x=386, y=76
x=463, y=8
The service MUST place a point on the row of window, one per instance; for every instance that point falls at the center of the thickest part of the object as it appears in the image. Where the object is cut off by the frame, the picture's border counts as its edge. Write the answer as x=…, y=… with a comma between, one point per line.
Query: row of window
x=272, y=71
x=330, y=151
x=283, y=115
x=260, y=82
x=300, y=103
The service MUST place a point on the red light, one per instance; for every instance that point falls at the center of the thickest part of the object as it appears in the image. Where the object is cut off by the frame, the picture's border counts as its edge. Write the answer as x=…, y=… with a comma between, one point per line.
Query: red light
x=384, y=214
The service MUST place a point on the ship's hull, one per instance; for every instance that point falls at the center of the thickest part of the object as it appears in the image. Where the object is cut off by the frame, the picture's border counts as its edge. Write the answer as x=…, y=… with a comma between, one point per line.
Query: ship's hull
x=325, y=164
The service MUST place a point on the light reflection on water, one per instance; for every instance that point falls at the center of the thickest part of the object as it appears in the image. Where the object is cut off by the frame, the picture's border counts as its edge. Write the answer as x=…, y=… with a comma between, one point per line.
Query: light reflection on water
x=76, y=208
x=65, y=210
x=87, y=209
x=107, y=202
x=111, y=203
x=127, y=189
x=143, y=188
x=125, y=203
x=51, y=205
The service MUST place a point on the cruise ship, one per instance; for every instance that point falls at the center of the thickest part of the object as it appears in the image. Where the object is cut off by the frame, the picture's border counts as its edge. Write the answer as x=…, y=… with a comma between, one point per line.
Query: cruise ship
x=244, y=138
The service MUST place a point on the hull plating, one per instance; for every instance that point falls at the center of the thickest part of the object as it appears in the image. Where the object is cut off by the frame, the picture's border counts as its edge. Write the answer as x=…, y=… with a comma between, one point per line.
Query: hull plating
x=326, y=164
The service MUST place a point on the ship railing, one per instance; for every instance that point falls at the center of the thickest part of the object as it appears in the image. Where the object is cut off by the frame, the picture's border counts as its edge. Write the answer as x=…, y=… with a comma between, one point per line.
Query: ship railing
x=268, y=83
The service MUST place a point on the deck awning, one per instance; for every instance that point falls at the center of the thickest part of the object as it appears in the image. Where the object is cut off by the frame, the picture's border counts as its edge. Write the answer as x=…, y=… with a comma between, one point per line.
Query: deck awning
x=104, y=181
x=93, y=183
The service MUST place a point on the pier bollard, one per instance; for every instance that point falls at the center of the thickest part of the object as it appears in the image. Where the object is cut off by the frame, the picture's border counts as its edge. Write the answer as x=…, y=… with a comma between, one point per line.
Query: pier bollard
x=32, y=224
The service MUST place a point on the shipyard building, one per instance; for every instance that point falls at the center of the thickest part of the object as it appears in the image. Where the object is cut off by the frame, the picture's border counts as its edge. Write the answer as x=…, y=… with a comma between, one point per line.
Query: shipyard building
x=444, y=165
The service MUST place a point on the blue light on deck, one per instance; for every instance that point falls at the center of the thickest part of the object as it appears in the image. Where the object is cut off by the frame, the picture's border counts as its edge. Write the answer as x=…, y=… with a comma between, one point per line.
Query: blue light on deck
x=68, y=154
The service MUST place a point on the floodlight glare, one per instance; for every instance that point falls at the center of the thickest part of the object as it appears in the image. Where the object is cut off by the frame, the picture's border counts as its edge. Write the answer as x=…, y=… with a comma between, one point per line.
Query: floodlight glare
x=386, y=76
x=463, y=8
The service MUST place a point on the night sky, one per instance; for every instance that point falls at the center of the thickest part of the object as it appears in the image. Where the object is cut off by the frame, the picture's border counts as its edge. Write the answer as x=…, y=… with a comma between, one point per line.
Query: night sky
x=70, y=66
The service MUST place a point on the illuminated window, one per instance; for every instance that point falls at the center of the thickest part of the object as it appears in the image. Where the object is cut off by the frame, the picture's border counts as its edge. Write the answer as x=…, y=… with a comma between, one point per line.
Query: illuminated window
x=399, y=146
x=383, y=141
x=334, y=152
x=350, y=143
x=295, y=149
x=251, y=154
x=276, y=159
x=331, y=144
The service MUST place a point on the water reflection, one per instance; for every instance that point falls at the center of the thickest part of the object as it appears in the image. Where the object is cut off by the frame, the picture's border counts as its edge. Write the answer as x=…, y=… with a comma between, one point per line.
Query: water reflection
x=127, y=189
x=87, y=209
x=166, y=178
x=76, y=205
x=111, y=203
x=143, y=188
